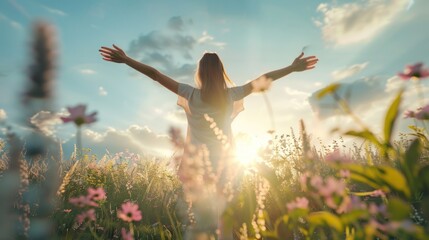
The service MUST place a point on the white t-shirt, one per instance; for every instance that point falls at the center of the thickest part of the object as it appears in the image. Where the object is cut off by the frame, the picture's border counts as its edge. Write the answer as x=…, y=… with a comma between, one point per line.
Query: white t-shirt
x=199, y=130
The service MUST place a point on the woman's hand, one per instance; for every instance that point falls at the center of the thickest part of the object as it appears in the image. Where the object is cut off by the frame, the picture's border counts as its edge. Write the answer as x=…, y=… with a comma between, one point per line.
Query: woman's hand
x=302, y=64
x=114, y=54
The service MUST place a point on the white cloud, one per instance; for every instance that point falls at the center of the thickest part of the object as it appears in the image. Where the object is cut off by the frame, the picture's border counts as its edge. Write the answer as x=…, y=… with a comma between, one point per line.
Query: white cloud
x=87, y=71
x=47, y=121
x=348, y=71
x=20, y=9
x=54, y=11
x=102, y=91
x=208, y=39
x=318, y=23
x=205, y=38
x=220, y=45
x=135, y=138
x=394, y=84
x=171, y=50
x=161, y=49
x=297, y=93
x=177, y=23
x=176, y=116
x=3, y=114
x=296, y=99
x=158, y=110
x=356, y=22
x=12, y=23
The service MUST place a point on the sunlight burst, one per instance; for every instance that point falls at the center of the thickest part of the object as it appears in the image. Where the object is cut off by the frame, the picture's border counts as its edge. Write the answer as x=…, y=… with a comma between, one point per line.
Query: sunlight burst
x=248, y=148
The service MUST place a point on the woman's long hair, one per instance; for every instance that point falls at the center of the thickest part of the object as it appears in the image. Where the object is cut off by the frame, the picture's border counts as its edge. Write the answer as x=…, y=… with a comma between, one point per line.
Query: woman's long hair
x=212, y=79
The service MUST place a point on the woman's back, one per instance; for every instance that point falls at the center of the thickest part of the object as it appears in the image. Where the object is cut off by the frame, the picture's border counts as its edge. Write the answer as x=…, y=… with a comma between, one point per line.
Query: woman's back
x=207, y=124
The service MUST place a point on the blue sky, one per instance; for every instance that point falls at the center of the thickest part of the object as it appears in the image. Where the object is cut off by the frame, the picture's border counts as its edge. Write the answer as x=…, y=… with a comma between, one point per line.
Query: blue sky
x=362, y=44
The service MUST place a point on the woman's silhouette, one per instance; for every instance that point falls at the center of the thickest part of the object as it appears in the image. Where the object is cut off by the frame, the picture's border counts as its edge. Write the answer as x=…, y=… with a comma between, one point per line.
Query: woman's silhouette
x=214, y=100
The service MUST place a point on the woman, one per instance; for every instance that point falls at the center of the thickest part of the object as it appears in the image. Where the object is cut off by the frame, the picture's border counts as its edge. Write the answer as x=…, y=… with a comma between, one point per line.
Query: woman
x=211, y=106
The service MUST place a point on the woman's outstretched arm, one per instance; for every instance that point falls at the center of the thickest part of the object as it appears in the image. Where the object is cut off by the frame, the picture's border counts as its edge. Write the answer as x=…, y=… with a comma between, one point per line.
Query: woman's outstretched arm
x=300, y=64
x=117, y=55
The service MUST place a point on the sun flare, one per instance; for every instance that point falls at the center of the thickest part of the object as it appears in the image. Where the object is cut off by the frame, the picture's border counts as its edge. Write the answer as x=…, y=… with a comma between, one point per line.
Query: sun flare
x=247, y=148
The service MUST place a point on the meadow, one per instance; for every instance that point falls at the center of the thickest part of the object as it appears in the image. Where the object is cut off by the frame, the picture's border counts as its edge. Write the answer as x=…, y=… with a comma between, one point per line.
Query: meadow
x=377, y=189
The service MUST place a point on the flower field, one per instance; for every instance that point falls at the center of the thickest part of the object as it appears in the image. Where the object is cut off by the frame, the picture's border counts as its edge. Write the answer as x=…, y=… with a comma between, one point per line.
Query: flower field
x=375, y=190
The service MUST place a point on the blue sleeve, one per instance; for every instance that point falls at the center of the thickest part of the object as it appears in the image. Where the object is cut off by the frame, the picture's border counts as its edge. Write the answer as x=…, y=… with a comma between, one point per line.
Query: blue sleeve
x=184, y=94
x=238, y=93
x=185, y=90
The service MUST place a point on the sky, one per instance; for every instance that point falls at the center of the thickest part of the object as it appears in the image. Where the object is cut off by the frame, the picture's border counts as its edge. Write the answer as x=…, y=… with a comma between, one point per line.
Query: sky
x=360, y=44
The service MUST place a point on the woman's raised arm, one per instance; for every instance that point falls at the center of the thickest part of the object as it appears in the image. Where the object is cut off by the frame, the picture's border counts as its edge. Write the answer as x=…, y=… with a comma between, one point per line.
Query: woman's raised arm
x=117, y=55
x=300, y=64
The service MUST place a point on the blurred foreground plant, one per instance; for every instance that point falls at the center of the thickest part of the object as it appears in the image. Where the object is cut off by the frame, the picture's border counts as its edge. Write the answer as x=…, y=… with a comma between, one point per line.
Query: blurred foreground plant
x=36, y=198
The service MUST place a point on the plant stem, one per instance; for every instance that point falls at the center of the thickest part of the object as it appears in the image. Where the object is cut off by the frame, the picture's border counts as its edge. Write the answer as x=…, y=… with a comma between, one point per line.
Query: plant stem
x=419, y=90
x=270, y=111
x=78, y=143
x=93, y=233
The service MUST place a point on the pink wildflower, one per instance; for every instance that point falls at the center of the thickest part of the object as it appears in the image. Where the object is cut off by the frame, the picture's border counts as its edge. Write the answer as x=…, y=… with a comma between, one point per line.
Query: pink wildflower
x=129, y=212
x=96, y=194
x=374, y=209
x=406, y=225
x=336, y=156
x=352, y=203
x=316, y=181
x=422, y=113
x=330, y=202
x=176, y=137
x=77, y=115
x=88, y=215
x=300, y=202
x=82, y=201
x=344, y=173
x=376, y=225
x=409, y=114
x=126, y=235
x=332, y=186
x=344, y=205
x=303, y=180
x=414, y=71
x=78, y=201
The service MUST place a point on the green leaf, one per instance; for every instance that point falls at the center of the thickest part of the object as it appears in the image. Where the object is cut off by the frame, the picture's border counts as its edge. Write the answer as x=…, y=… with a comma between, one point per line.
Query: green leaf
x=391, y=116
x=327, y=90
x=409, y=164
x=282, y=227
x=269, y=235
x=354, y=216
x=282, y=220
x=298, y=212
x=326, y=219
x=412, y=155
x=423, y=180
x=366, y=135
x=363, y=194
x=379, y=177
x=398, y=209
